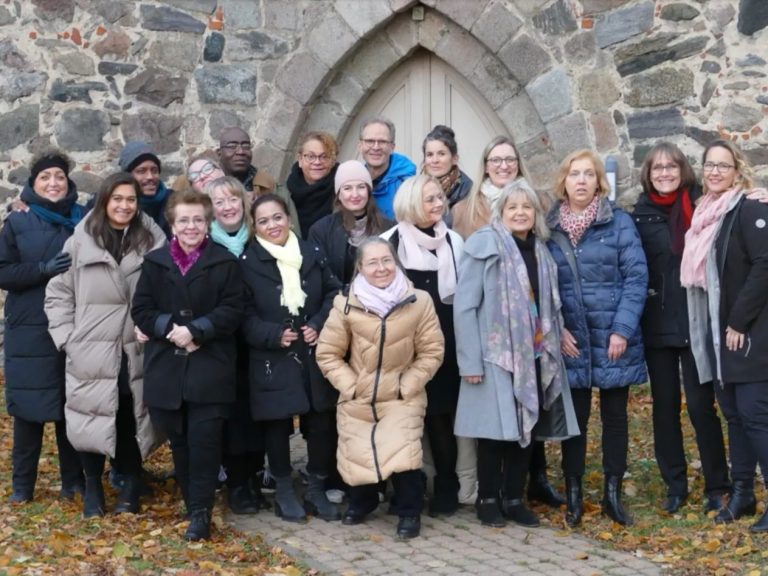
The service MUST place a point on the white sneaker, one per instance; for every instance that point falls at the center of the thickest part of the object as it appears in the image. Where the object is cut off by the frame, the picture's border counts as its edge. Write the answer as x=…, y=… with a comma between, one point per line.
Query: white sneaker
x=335, y=496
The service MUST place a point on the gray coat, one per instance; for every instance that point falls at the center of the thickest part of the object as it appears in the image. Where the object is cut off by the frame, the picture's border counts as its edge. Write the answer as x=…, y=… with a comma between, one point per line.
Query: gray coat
x=487, y=409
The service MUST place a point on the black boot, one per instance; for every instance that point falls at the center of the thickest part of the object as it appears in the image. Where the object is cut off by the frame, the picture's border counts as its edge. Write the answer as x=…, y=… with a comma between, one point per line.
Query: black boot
x=241, y=500
x=574, y=501
x=316, y=502
x=761, y=525
x=128, y=500
x=519, y=513
x=741, y=503
x=489, y=514
x=540, y=490
x=93, y=502
x=408, y=527
x=445, y=499
x=612, y=506
x=199, y=525
x=68, y=492
x=287, y=505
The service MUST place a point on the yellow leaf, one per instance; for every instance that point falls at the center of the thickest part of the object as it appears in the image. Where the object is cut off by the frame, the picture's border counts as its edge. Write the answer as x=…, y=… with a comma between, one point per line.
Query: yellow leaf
x=156, y=532
x=743, y=550
x=121, y=550
x=605, y=536
x=290, y=570
x=691, y=517
x=148, y=543
x=582, y=556
x=208, y=565
x=754, y=573
x=711, y=545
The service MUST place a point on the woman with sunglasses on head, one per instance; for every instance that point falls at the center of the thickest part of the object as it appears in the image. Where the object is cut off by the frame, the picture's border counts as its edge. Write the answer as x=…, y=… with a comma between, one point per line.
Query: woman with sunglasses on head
x=663, y=214
x=725, y=270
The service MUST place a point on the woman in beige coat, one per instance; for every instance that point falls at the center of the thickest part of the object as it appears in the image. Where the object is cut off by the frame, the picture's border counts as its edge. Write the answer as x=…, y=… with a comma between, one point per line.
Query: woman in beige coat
x=382, y=396
x=88, y=310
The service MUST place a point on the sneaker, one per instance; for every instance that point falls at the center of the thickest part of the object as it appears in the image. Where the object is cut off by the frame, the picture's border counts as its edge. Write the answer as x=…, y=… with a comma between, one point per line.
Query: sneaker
x=335, y=496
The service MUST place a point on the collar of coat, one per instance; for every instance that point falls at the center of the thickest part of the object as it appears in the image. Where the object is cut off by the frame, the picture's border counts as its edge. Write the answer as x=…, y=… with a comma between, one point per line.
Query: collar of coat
x=212, y=255
x=89, y=252
x=310, y=256
x=353, y=302
x=605, y=210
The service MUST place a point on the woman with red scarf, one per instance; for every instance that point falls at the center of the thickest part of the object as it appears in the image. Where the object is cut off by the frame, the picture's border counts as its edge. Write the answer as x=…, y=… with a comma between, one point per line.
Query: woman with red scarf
x=663, y=215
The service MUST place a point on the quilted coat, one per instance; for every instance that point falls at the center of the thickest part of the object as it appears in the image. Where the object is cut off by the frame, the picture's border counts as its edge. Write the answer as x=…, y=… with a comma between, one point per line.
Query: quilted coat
x=88, y=310
x=380, y=367
x=603, y=282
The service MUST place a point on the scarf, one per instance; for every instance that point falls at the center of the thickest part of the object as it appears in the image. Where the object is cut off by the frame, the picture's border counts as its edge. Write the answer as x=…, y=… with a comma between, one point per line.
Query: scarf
x=235, y=244
x=358, y=232
x=576, y=224
x=415, y=252
x=448, y=180
x=289, y=261
x=152, y=204
x=380, y=300
x=66, y=212
x=183, y=260
x=701, y=235
x=312, y=201
x=522, y=332
x=679, y=209
x=492, y=193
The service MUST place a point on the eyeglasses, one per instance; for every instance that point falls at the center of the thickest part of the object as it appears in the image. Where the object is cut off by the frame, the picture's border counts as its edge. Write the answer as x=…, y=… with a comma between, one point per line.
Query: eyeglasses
x=233, y=146
x=370, y=143
x=386, y=262
x=206, y=169
x=497, y=161
x=718, y=166
x=661, y=168
x=437, y=198
x=196, y=222
x=312, y=158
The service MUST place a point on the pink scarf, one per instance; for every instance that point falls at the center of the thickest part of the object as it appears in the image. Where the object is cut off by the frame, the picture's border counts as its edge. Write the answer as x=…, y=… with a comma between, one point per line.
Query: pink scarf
x=415, y=253
x=380, y=300
x=183, y=260
x=700, y=236
x=576, y=224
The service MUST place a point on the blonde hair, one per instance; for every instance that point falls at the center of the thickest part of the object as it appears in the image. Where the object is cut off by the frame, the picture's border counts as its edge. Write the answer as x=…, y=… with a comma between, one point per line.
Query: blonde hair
x=236, y=189
x=408, y=204
x=603, y=188
x=744, y=174
x=521, y=187
x=474, y=197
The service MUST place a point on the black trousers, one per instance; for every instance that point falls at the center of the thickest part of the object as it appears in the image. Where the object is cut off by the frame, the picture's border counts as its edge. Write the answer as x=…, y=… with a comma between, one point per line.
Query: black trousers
x=613, y=414
x=27, y=445
x=319, y=430
x=127, y=454
x=439, y=431
x=745, y=407
x=502, y=467
x=409, y=494
x=664, y=366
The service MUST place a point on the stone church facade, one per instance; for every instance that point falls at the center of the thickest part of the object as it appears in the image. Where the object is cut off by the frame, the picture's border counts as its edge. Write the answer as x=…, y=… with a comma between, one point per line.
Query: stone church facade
x=613, y=75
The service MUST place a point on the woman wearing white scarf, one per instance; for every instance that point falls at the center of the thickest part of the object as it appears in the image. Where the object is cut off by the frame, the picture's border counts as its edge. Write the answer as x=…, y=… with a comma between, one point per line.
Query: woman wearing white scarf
x=289, y=292
x=429, y=253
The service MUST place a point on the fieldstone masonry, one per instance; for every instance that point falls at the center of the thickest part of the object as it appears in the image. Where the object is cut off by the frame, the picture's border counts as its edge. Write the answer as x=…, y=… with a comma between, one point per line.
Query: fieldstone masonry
x=615, y=75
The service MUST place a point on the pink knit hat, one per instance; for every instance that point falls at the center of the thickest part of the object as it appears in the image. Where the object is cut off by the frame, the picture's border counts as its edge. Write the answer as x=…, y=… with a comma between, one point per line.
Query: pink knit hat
x=352, y=170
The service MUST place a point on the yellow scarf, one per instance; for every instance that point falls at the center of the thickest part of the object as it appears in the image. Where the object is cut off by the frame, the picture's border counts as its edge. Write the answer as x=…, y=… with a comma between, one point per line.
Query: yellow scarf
x=288, y=263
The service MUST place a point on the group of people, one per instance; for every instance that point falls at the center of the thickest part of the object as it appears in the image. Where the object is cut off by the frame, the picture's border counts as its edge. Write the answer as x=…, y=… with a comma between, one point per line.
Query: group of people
x=391, y=312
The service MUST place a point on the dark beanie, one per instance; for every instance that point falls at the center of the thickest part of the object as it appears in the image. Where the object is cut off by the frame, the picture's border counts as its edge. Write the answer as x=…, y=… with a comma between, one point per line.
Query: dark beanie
x=136, y=152
x=52, y=160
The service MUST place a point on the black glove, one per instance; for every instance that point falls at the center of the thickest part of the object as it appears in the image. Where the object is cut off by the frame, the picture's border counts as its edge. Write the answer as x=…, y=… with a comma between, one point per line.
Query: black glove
x=56, y=265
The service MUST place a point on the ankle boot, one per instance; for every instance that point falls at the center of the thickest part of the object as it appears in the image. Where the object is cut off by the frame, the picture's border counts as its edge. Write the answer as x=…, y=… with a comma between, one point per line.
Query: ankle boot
x=741, y=503
x=287, y=505
x=93, y=502
x=540, y=490
x=445, y=499
x=612, y=506
x=316, y=502
x=128, y=500
x=574, y=501
x=241, y=500
x=761, y=525
x=489, y=514
x=519, y=513
x=199, y=525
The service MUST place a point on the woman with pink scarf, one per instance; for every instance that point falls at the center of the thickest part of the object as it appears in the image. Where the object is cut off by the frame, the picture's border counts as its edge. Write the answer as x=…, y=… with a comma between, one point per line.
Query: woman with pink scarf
x=725, y=270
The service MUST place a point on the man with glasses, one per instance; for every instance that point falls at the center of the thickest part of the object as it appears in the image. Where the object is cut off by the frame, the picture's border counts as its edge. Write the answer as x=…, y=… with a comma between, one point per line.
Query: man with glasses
x=140, y=160
x=236, y=154
x=388, y=168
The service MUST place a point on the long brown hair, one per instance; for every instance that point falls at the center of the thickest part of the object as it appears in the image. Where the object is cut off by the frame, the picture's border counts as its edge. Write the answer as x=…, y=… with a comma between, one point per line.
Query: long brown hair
x=137, y=236
x=375, y=223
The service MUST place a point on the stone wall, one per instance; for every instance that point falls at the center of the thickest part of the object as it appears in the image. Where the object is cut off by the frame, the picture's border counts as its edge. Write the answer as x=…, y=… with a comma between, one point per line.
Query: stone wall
x=615, y=75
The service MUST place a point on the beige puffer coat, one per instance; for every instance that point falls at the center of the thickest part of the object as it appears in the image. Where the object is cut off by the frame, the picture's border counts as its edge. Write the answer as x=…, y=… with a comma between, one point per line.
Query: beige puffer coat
x=381, y=367
x=88, y=310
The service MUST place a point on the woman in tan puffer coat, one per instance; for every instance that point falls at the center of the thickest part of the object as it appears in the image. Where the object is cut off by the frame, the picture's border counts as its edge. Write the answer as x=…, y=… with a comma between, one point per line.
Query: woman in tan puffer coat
x=379, y=347
x=88, y=309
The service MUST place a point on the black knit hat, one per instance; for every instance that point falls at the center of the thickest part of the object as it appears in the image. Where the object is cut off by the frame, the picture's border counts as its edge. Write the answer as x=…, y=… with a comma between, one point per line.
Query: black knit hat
x=48, y=160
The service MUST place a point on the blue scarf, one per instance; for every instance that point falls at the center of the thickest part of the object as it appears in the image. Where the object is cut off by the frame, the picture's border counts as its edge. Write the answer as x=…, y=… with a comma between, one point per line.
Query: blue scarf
x=235, y=244
x=75, y=215
x=66, y=212
x=151, y=204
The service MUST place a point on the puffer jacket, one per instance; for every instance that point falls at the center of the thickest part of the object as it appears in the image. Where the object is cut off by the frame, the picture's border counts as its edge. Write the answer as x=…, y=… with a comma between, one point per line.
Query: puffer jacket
x=380, y=366
x=89, y=318
x=603, y=282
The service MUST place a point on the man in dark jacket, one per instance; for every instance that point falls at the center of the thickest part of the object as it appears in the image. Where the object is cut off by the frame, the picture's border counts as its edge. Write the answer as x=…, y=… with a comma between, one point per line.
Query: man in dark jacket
x=140, y=160
x=236, y=154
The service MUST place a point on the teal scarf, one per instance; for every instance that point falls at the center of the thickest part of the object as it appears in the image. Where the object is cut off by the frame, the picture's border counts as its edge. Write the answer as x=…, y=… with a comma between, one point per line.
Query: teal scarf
x=235, y=244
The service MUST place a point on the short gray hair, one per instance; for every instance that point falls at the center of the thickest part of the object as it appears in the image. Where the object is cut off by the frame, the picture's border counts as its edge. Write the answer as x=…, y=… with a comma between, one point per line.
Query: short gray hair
x=379, y=120
x=521, y=187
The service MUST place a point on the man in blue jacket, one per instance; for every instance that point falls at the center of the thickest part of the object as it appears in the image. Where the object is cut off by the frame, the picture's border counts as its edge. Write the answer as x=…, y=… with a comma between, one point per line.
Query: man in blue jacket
x=388, y=169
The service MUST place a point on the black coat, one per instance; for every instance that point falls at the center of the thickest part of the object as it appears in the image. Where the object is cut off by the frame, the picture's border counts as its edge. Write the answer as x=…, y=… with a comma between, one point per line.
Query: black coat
x=34, y=369
x=329, y=235
x=285, y=381
x=443, y=389
x=743, y=274
x=209, y=301
x=312, y=201
x=665, y=316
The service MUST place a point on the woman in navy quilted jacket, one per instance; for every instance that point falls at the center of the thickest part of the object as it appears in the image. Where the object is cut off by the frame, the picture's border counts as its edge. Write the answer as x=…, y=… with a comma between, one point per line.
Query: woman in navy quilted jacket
x=603, y=280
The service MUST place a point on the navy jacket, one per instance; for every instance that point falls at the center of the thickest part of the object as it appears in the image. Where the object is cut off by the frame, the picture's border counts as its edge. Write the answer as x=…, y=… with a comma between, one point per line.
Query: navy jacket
x=603, y=282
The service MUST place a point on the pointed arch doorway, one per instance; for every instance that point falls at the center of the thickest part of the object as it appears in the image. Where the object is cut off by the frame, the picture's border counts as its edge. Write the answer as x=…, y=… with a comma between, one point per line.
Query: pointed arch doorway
x=421, y=92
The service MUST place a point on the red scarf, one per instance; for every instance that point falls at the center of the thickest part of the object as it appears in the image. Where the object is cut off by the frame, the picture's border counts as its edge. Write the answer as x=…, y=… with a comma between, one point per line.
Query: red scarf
x=680, y=210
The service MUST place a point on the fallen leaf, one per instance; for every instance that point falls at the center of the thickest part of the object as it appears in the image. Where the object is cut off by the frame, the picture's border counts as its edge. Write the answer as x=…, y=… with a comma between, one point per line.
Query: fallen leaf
x=121, y=550
x=582, y=556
